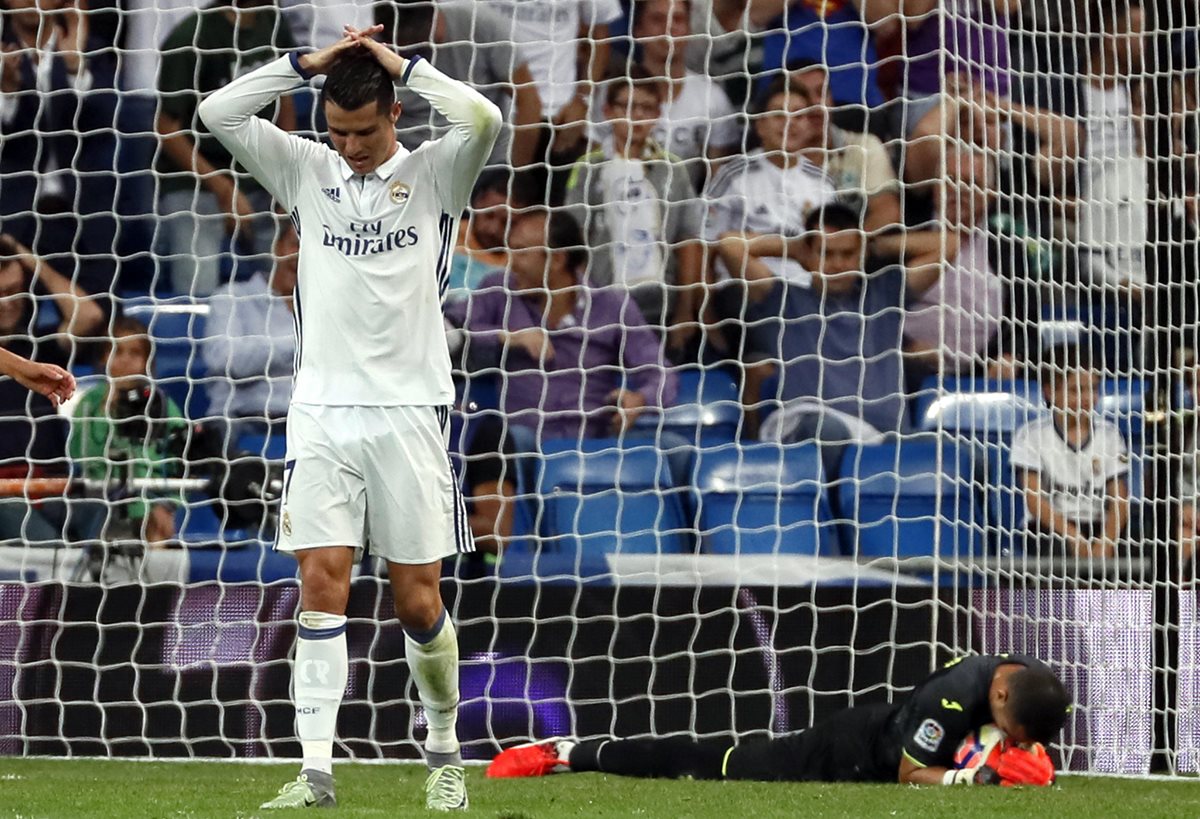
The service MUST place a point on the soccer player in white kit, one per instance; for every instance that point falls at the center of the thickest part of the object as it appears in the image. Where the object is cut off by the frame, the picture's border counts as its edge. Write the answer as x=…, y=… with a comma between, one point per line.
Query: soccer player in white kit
x=368, y=424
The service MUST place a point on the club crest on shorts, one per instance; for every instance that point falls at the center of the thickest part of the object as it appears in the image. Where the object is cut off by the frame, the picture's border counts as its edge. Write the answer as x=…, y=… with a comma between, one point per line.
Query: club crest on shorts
x=399, y=192
x=929, y=735
x=287, y=524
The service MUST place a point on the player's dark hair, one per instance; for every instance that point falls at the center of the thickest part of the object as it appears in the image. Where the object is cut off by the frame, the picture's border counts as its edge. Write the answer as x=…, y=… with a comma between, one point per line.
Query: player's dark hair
x=406, y=23
x=832, y=216
x=356, y=79
x=1038, y=702
x=1061, y=360
x=563, y=235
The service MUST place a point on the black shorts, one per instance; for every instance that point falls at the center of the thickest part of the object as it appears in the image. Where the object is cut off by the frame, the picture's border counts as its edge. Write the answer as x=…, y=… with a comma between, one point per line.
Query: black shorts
x=847, y=746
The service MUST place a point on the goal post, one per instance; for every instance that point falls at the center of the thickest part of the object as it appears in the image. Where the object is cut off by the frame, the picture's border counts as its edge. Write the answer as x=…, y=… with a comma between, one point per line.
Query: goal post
x=768, y=463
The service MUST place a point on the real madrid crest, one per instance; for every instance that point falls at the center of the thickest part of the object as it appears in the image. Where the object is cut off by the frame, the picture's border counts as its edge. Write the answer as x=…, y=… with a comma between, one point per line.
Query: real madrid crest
x=399, y=192
x=287, y=524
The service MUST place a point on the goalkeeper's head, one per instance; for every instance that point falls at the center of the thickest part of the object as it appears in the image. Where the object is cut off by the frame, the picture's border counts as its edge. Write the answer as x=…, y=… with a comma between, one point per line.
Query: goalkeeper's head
x=359, y=100
x=1030, y=705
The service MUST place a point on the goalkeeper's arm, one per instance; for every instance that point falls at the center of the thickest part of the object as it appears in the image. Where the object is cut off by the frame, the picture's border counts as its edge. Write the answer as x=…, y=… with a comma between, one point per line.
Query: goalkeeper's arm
x=913, y=773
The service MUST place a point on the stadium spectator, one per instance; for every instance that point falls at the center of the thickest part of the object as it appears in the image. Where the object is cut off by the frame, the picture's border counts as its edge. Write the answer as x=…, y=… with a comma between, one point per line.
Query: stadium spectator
x=32, y=436
x=249, y=348
x=565, y=44
x=726, y=43
x=469, y=42
x=578, y=361
x=767, y=192
x=640, y=215
x=837, y=343
x=497, y=201
x=951, y=326
x=118, y=430
x=1072, y=465
x=859, y=169
x=77, y=315
x=837, y=35
x=200, y=190
x=697, y=122
x=1101, y=200
x=56, y=114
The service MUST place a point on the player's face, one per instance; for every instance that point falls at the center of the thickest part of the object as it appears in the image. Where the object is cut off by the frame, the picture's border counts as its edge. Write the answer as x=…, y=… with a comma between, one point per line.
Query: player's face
x=13, y=296
x=633, y=116
x=365, y=136
x=835, y=259
x=784, y=126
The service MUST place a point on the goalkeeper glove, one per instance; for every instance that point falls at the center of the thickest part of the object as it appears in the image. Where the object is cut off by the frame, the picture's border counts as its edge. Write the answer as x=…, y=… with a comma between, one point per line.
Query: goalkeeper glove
x=983, y=775
x=1018, y=766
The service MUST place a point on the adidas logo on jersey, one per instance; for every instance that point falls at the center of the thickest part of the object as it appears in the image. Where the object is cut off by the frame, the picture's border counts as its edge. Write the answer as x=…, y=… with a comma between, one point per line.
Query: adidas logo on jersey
x=334, y=194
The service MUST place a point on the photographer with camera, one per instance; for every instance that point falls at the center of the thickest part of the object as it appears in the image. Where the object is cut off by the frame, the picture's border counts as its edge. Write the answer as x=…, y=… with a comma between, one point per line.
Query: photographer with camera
x=122, y=430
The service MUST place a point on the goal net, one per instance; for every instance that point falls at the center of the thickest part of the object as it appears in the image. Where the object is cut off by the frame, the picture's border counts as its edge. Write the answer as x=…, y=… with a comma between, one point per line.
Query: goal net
x=798, y=348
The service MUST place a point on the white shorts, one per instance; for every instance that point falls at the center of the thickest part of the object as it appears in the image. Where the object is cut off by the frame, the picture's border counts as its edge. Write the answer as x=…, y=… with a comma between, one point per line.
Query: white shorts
x=372, y=477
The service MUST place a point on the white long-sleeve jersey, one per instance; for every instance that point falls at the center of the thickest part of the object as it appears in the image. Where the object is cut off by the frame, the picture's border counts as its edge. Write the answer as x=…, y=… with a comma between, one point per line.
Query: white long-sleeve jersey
x=374, y=249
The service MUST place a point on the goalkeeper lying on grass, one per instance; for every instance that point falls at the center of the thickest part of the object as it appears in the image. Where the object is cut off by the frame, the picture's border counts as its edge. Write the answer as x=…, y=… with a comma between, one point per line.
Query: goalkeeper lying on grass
x=911, y=741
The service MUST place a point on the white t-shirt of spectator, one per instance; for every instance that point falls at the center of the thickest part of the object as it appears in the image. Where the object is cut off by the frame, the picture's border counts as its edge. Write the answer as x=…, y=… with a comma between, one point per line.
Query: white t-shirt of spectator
x=698, y=119
x=547, y=34
x=1075, y=479
x=1111, y=224
x=752, y=194
x=635, y=222
x=961, y=313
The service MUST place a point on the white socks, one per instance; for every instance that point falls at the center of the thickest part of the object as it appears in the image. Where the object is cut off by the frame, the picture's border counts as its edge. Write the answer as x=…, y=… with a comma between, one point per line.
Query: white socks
x=433, y=663
x=318, y=683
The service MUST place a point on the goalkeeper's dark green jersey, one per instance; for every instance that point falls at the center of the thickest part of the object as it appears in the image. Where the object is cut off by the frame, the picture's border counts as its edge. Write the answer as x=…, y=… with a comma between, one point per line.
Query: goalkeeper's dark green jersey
x=938, y=715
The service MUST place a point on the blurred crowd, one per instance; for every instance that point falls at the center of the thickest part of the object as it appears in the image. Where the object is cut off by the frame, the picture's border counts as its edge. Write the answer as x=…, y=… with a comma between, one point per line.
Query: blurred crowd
x=837, y=201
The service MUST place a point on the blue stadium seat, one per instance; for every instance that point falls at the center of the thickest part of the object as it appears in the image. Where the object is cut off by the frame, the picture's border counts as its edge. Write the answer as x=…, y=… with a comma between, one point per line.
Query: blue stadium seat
x=707, y=408
x=763, y=499
x=976, y=407
x=177, y=330
x=602, y=496
x=899, y=497
x=1123, y=402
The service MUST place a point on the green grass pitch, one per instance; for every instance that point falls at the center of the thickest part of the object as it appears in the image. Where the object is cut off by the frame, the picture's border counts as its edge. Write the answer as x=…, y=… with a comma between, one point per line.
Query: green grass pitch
x=35, y=788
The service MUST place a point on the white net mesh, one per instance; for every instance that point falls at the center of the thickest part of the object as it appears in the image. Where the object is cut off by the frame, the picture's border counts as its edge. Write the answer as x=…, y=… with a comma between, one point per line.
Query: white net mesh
x=884, y=352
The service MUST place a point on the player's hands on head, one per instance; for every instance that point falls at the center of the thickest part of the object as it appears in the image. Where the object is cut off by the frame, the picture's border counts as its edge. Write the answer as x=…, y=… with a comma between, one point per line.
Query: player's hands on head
x=392, y=62
x=320, y=61
x=1020, y=766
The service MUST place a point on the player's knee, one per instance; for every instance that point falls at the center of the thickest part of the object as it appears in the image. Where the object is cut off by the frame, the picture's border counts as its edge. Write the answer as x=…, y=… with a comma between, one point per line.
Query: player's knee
x=420, y=611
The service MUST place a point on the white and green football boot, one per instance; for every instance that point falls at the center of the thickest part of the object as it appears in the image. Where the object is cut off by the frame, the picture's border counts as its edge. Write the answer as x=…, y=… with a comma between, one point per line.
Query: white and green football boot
x=446, y=789
x=311, y=789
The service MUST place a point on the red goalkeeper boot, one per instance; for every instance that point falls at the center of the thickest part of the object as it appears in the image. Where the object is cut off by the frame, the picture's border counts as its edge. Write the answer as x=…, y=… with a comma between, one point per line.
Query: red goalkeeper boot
x=535, y=759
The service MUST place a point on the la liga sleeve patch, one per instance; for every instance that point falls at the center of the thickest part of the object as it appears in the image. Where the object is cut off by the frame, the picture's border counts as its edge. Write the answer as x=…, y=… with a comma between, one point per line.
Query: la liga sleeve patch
x=929, y=735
